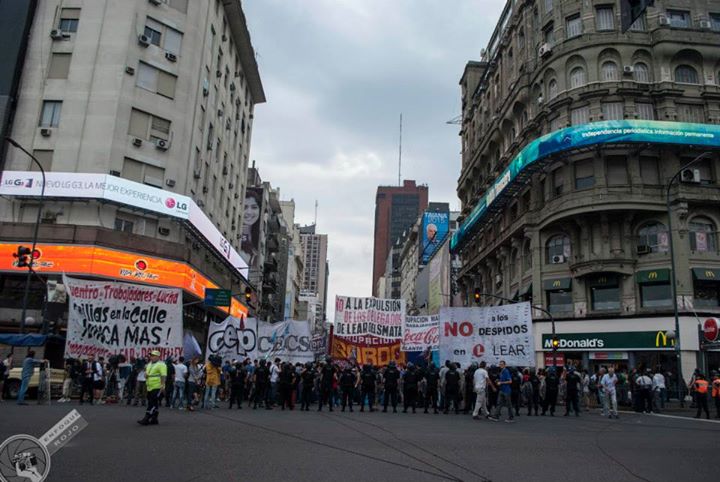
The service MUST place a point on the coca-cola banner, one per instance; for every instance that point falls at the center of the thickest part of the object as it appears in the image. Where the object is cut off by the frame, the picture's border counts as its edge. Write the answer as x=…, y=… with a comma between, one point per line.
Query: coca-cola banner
x=421, y=333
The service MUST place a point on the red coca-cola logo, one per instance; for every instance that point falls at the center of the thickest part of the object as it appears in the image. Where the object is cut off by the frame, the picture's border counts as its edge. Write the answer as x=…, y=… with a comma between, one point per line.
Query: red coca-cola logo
x=711, y=329
x=427, y=337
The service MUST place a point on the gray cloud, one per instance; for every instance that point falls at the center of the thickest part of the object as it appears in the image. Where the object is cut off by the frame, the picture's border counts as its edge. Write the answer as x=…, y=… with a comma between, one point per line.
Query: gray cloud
x=337, y=74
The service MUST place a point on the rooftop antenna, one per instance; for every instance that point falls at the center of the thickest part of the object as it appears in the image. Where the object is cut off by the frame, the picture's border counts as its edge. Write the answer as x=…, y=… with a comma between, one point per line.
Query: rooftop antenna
x=400, y=154
x=316, y=206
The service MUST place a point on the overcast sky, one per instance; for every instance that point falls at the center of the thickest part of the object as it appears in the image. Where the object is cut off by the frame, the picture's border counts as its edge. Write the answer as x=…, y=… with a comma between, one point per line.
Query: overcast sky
x=337, y=75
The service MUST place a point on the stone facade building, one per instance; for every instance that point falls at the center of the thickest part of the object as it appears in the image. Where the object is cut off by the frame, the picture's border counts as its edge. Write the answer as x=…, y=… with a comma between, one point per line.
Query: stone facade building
x=583, y=232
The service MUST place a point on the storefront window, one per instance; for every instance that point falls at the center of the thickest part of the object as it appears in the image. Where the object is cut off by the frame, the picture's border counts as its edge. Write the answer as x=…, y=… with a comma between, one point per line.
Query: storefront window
x=560, y=301
x=655, y=295
x=605, y=294
x=707, y=295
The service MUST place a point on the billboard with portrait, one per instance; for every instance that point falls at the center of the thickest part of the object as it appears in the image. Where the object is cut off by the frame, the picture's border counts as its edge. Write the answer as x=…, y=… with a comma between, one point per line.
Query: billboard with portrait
x=252, y=224
x=435, y=227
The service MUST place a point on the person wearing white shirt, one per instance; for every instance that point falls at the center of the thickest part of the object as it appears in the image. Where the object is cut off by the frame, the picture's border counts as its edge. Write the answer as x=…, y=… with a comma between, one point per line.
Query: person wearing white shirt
x=181, y=373
x=607, y=385
x=274, y=377
x=658, y=386
x=480, y=384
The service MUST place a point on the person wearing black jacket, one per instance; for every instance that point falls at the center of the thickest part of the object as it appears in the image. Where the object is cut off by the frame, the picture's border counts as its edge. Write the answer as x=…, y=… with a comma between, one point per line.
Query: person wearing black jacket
x=452, y=388
x=391, y=377
x=432, y=378
x=286, y=382
x=535, y=402
x=572, y=391
x=470, y=394
x=262, y=381
x=237, y=384
x=348, y=380
x=327, y=377
x=552, y=384
x=308, y=381
x=368, y=378
x=515, y=390
x=410, y=387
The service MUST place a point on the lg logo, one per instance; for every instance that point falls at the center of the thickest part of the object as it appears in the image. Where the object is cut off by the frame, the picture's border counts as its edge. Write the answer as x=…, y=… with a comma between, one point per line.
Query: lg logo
x=19, y=182
x=171, y=203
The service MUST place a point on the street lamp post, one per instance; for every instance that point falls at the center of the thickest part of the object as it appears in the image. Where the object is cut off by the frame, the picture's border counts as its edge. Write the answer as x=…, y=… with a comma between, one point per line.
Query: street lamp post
x=35, y=232
x=539, y=308
x=673, y=281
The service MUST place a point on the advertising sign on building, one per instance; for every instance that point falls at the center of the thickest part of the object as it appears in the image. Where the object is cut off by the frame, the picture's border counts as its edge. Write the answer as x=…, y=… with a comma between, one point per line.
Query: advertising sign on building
x=421, y=333
x=251, y=226
x=487, y=334
x=108, y=318
x=240, y=338
x=629, y=340
x=435, y=228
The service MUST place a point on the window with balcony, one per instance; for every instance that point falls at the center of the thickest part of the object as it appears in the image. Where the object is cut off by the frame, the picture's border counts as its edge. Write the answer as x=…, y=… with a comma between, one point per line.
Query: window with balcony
x=163, y=36
x=653, y=236
x=605, y=18
x=715, y=21
x=678, y=18
x=703, y=236
x=50, y=116
x=552, y=89
x=612, y=110
x=645, y=110
x=686, y=74
x=580, y=115
x=558, y=178
x=573, y=26
x=549, y=34
x=639, y=25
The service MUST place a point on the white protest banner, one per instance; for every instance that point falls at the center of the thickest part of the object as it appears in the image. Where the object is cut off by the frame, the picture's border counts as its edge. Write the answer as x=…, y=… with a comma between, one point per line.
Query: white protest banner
x=369, y=316
x=487, y=334
x=107, y=318
x=236, y=338
x=420, y=333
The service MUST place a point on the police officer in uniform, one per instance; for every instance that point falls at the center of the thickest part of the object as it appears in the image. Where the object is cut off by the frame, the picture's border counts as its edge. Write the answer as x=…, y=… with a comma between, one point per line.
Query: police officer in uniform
x=367, y=384
x=262, y=381
x=348, y=380
x=391, y=378
x=156, y=374
x=552, y=385
x=452, y=388
x=410, y=387
x=287, y=381
x=432, y=377
x=237, y=384
x=308, y=381
x=327, y=377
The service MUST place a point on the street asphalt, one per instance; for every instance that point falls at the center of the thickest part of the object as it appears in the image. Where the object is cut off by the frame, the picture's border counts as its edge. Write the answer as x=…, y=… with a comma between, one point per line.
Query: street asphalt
x=264, y=445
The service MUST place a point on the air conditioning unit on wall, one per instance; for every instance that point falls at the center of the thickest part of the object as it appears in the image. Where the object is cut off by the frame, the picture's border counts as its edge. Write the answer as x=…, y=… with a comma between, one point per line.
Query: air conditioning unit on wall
x=558, y=259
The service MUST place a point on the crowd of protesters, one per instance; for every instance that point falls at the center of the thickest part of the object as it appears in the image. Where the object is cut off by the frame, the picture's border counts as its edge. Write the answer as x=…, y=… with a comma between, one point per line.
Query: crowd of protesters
x=477, y=389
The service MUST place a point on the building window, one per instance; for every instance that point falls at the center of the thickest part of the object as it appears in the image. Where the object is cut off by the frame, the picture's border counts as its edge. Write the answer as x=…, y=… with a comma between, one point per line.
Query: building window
x=143, y=173
x=147, y=126
x=555, y=124
x=560, y=301
x=686, y=74
x=641, y=73
x=124, y=225
x=581, y=115
x=59, y=65
x=156, y=80
x=653, y=236
x=552, y=89
x=715, y=21
x=69, y=19
x=605, y=18
x=558, y=181
x=609, y=72
x=617, y=171
x=706, y=295
x=548, y=6
x=690, y=113
x=639, y=25
x=605, y=293
x=645, y=110
x=573, y=26
x=649, y=170
x=180, y=5
x=558, y=249
x=577, y=77
x=655, y=295
x=50, y=116
x=549, y=34
x=584, y=174
x=162, y=36
x=702, y=235
x=612, y=110
x=44, y=157
x=678, y=18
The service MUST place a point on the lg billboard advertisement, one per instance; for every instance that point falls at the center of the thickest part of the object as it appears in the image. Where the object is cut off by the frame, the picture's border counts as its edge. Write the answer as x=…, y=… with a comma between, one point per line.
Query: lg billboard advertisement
x=435, y=227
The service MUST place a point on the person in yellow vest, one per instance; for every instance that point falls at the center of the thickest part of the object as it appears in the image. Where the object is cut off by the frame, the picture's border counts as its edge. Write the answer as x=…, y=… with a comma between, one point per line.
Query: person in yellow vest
x=701, y=395
x=716, y=392
x=155, y=374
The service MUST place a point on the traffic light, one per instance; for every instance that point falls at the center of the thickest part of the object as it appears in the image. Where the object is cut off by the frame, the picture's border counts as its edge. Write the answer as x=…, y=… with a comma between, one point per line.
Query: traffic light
x=248, y=294
x=476, y=296
x=555, y=343
x=24, y=257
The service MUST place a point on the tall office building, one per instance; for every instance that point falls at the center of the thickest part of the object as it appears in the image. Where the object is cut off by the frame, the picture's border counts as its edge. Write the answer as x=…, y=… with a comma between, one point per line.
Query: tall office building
x=140, y=113
x=572, y=132
x=396, y=209
x=316, y=272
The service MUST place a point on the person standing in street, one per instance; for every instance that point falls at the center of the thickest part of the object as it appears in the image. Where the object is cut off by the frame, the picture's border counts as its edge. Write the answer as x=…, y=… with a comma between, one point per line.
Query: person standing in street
x=608, y=384
x=237, y=376
x=212, y=381
x=573, y=383
x=505, y=393
x=701, y=395
x=308, y=382
x=480, y=387
x=432, y=378
x=87, y=379
x=181, y=375
x=347, y=387
x=286, y=381
x=5, y=368
x=327, y=380
x=552, y=386
x=410, y=388
x=28, y=368
x=644, y=385
x=261, y=379
x=469, y=393
x=391, y=377
x=658, y=390
x=156, y=375
x=716, y=392
x=274, y=382
x=452, y=389
x=367, y=387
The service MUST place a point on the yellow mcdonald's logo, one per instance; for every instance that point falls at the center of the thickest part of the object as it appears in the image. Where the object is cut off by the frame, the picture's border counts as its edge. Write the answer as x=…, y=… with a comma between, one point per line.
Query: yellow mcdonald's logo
x=661, y=339
x=709, y=273
x=556, y=283
x=652, y=275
